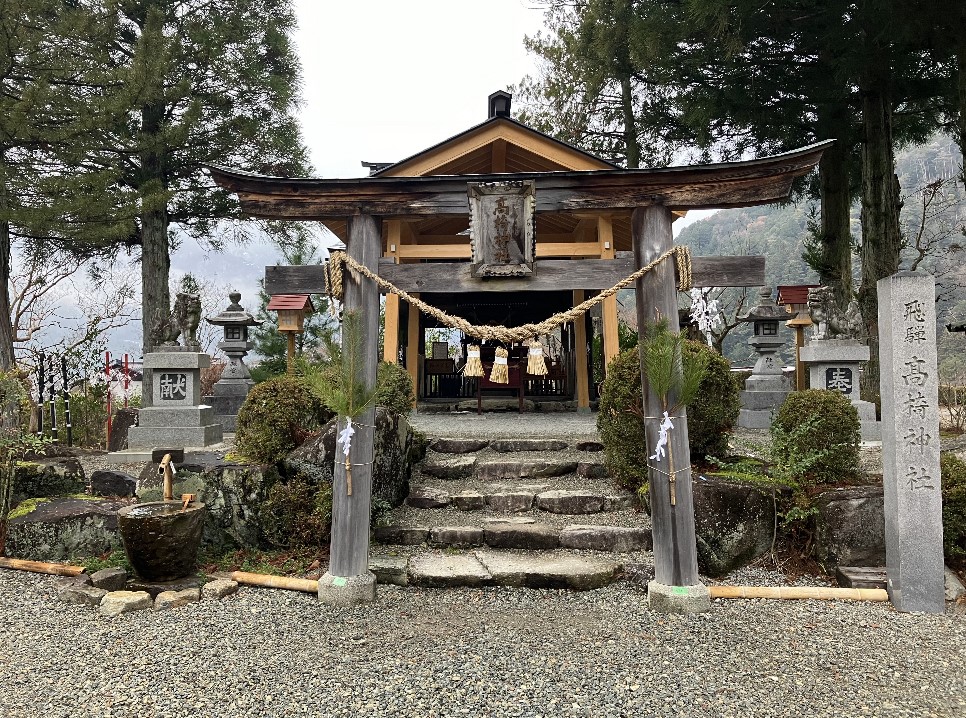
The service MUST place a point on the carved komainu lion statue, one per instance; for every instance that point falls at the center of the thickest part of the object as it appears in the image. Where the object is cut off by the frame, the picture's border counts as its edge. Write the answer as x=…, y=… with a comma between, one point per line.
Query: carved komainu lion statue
x=829, y=320
x=183, y=321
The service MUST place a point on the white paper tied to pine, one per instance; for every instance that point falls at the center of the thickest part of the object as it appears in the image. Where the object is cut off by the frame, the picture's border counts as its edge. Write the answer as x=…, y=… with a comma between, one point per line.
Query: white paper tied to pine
x=500, y=360
x=345, y=437
x=662, y=438
x=704, y=312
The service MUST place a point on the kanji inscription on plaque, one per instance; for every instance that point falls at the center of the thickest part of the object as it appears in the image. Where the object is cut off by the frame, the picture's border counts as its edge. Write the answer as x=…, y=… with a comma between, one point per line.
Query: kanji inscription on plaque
x=173, y=387
x=839, y=379
x=502, y=228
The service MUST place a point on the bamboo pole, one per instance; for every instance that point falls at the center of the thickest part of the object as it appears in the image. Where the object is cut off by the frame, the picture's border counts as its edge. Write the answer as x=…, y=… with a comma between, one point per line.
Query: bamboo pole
x=56, y=569
x=799, y=592
x=267, y=581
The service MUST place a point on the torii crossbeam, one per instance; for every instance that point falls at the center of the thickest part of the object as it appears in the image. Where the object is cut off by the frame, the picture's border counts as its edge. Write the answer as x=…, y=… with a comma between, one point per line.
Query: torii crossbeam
x=650, y=195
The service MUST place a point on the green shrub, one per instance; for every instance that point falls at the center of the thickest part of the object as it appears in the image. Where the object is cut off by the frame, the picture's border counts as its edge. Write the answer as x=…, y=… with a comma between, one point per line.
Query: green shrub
x=298, y=514
x=954, y=507
x=620, y=417
x=394, y=389
x=822, y=428
x=276, y=417
x=713, y=414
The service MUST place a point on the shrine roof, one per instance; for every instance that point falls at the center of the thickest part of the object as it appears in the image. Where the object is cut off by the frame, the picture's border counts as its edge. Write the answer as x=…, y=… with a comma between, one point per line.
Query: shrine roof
x=290, y=301
x=555, y=153
x=712, y=186
x=794, y=293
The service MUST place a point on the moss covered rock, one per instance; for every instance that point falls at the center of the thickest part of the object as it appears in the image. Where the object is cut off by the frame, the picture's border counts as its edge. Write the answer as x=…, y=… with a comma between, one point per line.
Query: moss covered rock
x=60, y=476
x=60, y=529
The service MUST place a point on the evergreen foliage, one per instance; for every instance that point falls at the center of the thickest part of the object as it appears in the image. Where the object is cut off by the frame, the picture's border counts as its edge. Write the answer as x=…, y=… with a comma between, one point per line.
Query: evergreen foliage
x=954, y=507
x=620, y=418
x=277, y=417
x=832, y=435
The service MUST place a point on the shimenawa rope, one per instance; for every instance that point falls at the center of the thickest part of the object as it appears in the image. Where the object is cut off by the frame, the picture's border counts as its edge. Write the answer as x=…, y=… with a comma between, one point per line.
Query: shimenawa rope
x=338, y=260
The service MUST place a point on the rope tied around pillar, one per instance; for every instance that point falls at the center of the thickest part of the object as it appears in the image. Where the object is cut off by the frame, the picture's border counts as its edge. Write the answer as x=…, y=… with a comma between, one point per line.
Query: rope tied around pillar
x=339, y=260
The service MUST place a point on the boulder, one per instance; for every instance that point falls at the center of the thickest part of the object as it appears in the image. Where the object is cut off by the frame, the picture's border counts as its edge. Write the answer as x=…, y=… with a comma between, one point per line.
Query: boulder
x=219, y=588
x=80, y=594
x=396, y=450
x=110, y=579
x=425, y=497
x=60, y=529
x=117, y=602
x=955, y=590
x=591, y=470
x=562, y=501
x=45, y=478
x=176, y=599
x=850, y=527
x=734, y=523
x=113, y=483
x=123, y=420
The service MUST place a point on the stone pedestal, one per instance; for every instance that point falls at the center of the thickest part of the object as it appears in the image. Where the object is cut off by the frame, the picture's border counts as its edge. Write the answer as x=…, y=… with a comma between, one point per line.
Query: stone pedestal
x=177, y=416
x=766, y=388
x=834, y=364
x=909, y=383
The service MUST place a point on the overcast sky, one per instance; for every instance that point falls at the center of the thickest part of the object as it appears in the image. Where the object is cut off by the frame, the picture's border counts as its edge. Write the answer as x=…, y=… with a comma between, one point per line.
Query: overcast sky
x=384, y=79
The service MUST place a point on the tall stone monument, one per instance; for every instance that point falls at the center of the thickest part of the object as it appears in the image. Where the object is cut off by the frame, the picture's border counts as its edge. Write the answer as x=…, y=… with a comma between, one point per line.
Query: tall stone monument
x=834, y=356
x=231, y=390
x=909, y=383
x=177, y=416
x=767, y=387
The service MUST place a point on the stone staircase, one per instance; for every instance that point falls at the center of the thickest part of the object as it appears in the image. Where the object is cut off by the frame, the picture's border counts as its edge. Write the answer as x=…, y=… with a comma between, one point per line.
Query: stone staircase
x=534, y=512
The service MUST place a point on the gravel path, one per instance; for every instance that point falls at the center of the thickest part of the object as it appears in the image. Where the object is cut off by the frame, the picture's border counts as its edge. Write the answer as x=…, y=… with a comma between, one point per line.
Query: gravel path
x=491, y=652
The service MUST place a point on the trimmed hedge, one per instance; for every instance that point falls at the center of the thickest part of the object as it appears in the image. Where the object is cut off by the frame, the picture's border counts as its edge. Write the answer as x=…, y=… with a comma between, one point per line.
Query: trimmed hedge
x=619, y=420
x=821, y=424
x=953, y=471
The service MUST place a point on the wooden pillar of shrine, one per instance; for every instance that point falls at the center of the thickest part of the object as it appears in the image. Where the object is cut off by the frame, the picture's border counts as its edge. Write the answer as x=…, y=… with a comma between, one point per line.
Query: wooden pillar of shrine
x=675, y=587
x=413, y=344
x=609, y=323
x=349, y=580
x=390, y=335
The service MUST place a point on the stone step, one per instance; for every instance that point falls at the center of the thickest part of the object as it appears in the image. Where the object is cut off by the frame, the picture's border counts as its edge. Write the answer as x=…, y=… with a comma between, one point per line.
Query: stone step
x=486, y=567
x=519, y=499
x=862, y=576
x=518, y=533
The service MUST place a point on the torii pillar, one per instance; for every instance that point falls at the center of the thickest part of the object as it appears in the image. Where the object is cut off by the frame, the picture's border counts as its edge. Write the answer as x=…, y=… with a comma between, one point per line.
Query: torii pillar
x=349, y=580
x=676, y=587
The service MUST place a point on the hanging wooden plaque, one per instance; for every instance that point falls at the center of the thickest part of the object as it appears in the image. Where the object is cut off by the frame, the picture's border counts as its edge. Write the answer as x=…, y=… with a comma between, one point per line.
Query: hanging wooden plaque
x=502, y=232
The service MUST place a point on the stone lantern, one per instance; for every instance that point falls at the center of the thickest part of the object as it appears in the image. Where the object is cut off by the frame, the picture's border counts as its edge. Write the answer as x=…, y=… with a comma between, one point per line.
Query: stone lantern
x=767, y=387
x=236, y=381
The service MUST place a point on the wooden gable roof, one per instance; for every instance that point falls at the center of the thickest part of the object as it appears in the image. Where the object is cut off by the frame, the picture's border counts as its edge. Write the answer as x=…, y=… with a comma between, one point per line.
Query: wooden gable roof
x=499, y=145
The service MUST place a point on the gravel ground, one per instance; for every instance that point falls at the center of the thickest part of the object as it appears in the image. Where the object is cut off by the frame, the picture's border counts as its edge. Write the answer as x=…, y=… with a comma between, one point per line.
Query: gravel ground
x=491, y=652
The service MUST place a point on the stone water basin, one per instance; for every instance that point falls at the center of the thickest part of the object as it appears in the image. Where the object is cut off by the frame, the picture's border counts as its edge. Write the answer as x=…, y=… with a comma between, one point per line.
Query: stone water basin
x=161, y=539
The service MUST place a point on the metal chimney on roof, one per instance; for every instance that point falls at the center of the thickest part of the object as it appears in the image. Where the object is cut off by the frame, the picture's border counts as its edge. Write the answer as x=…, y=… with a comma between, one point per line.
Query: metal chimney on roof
x=499, y=103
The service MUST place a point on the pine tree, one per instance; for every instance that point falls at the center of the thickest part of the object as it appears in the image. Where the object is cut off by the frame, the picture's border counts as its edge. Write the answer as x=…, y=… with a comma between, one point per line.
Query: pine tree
x=52, y=199
x=196, y=82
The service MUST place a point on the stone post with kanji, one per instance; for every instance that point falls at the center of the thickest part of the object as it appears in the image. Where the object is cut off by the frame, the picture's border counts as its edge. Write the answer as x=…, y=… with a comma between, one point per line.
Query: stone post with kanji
x=909, y=384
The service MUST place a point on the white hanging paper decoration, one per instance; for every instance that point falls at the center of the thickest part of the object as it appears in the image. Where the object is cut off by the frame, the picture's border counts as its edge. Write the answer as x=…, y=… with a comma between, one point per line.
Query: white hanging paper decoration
x=345, y=437
x=662, y=438
x=704, y=312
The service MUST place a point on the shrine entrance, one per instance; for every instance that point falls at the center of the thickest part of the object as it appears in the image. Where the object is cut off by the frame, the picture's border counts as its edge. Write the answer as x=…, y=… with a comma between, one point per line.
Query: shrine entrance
x=502, y=229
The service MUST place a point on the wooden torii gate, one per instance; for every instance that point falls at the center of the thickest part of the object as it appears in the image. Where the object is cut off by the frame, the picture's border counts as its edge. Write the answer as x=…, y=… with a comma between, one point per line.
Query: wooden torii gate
x=650, y=195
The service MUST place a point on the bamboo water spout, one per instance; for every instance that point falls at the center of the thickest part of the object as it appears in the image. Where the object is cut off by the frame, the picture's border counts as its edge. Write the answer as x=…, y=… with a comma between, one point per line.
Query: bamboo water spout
x=166, y=470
